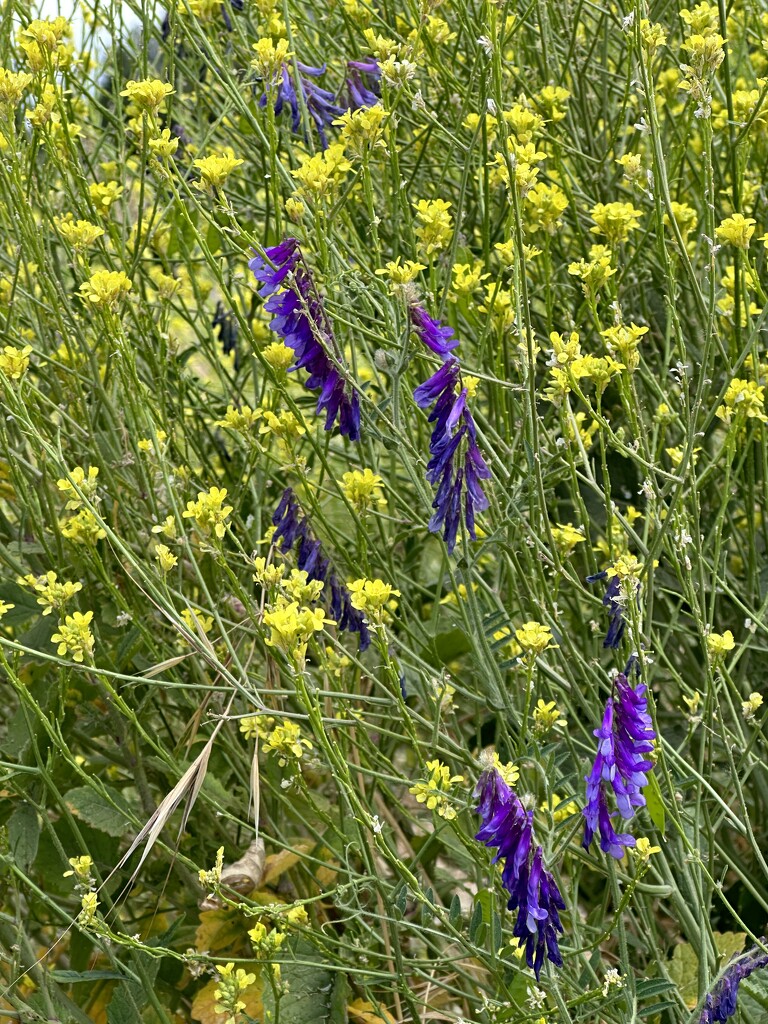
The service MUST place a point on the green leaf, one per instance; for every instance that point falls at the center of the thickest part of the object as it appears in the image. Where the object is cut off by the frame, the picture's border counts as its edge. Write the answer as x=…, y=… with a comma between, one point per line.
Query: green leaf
x=24, y=835
x=75, y=977
x=312, y=996
x=454, y=914
x=653, y=987
x=448, y=646
x=339, y=999
x=108, y=811
x=655, y=803
x=401, y=900
x=123, y=1005
x=476, y=921
x=496, y=939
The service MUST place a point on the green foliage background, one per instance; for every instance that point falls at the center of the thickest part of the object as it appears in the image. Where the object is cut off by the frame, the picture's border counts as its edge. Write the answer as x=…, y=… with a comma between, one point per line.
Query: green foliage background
x=406, y=917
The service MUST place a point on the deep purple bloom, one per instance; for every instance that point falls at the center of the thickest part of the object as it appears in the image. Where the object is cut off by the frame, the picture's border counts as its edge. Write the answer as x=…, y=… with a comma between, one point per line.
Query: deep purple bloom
x=625, y=739
x=720, y=1004
x=358, y=71
x=444, y=380
x=226, y=325
x=613, y=602
x=456, y=465
x=320, y=103
x=436, y=337
x=299, y=317
x=533, y=892
x=292, y=528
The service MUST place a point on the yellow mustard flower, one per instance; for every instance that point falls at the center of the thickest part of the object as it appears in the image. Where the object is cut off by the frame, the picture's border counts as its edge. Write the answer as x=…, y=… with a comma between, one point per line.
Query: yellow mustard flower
x=363, y=490
x=547, y=716
x=320, y=175
x=165, y=557
x=105, y=288
x=80, y=867
x=231, y=984
x=566, y=538
x=163, y=145
x=736, y=230
x=291, y=626
x=362, y=129
x=82, y=528
x=287, y=742
x=103, y=194
x=147, y=95
x=209, y=511
x=615, y=220
x=279, y=356
x=743, y=400
x=79, y=482
x=12, y=86
x=433, y=792
x=719, y=644
x=434, y=225
x=215, y=169
x=371, y=596
x=75, y=637
x=14, y=362
x=559, y=808
x=643, y=849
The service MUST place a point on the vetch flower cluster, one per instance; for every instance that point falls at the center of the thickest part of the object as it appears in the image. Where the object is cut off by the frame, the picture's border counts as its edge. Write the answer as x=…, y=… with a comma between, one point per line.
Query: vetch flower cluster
x=626, y=737
x=456, y=476
x=282, y=87
x=533, y=892
x=363, y=78
x=292, y=528
x=720, y=1004
x=302, y=322
x=623, y=586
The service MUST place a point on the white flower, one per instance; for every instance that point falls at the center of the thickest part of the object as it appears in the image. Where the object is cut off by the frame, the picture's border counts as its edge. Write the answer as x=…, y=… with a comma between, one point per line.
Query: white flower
x=612, y=978
x=536, y=998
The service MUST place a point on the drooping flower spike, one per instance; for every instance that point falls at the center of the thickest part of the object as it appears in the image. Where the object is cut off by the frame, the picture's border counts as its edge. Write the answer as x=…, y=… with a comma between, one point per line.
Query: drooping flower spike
x=292, y=529
x=302, y=322
x=612, y=601
x=625, y=739
x=456, y=476
x=360, y=95
x=533, y=892
x=320, y=103
x=720, y=1004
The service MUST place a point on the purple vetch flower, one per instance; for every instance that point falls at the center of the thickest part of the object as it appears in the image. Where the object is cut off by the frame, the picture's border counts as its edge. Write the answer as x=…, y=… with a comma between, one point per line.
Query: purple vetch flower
x=320, y=103
x=299, y=317
x=612, y=600
x=360, y=95
x=720, y=1004
x=292, y=529
x=456, y=465
x=533, y=892
x=436, y=337
x=625, y=739
x=226, y=324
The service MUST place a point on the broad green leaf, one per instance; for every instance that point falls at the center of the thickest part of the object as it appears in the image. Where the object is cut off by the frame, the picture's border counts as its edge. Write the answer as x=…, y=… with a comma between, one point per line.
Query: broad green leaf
x=655, y=803
x=454, y=914
x=108, y=812
x=24, y=835
x=310, y=996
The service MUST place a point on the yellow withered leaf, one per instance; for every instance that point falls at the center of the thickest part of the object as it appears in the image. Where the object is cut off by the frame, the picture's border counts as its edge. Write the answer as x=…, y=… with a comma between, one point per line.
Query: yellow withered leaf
x=366, y=1013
